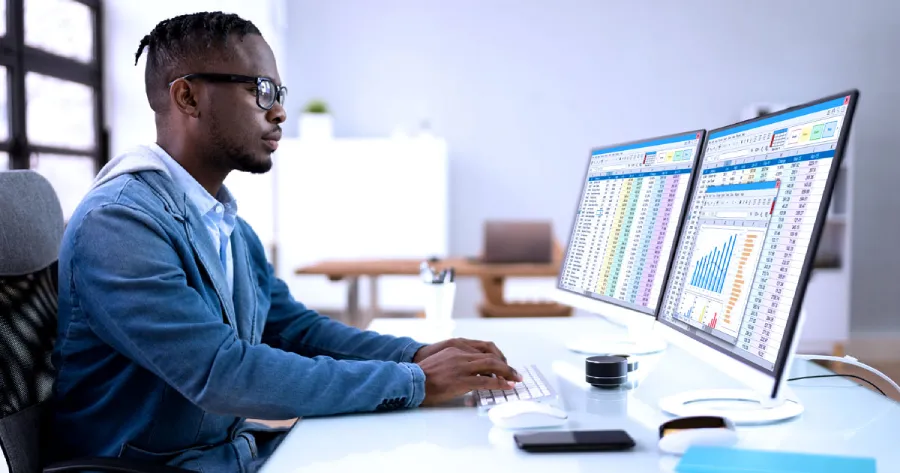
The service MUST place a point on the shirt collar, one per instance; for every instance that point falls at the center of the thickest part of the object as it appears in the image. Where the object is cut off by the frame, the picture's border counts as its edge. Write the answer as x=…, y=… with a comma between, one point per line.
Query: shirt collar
x=198, y=195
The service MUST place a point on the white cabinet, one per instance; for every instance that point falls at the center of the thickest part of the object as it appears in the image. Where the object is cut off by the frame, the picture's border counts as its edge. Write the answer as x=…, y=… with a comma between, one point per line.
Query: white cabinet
x=351, y=199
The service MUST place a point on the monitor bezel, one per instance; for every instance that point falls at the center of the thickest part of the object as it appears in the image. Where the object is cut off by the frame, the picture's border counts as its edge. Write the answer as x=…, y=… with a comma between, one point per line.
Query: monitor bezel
x=788, y=342
x=701, y=135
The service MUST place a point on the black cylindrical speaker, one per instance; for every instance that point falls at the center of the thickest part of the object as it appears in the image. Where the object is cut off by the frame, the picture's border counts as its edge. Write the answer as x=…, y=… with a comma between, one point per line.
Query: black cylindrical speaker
x=608, y=371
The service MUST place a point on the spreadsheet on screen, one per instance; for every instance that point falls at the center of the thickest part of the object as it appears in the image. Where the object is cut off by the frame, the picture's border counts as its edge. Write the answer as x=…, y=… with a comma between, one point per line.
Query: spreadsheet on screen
x=626, y=221
x=748, y=229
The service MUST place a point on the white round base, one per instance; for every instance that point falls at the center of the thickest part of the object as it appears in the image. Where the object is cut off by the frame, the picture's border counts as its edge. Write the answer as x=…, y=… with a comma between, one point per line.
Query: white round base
x=740, y=406
x=613, y=345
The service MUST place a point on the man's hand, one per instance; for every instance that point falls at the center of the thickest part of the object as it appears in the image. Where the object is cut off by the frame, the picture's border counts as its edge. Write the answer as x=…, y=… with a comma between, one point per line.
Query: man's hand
x=453, y=372
x=466, y=345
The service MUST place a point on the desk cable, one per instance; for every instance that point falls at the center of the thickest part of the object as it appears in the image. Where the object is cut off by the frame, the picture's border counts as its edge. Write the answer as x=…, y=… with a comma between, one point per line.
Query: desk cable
x=850, y=361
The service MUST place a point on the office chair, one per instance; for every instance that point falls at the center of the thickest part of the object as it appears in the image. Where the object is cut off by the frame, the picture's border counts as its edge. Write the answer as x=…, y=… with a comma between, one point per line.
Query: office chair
x=31, y=228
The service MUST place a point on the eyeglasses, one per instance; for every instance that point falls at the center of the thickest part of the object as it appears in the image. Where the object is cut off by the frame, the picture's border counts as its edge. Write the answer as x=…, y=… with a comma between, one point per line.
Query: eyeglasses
x=267, y=93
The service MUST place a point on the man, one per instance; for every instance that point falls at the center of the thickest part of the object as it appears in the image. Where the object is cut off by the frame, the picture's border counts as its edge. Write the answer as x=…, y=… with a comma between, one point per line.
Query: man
x=172, y=326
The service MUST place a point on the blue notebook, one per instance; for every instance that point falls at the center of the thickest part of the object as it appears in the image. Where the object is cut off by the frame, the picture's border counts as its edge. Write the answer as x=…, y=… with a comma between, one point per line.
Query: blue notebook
x=734, y=460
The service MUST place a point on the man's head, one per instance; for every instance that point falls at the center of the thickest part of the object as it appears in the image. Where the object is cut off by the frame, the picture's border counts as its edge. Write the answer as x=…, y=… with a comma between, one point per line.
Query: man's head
x=210, y=78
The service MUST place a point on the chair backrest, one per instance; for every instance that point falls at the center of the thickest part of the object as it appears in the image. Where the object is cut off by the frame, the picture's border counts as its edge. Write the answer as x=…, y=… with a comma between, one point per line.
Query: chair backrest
x=31, y=227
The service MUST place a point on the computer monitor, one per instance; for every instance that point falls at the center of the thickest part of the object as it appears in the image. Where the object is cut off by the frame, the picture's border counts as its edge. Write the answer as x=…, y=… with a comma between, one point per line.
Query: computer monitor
x=744, y=256
x=622, y=236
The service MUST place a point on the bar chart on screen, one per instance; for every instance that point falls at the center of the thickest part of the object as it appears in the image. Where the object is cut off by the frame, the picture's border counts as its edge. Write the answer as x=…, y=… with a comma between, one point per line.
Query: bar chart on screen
x=722, y=273
x=711, y=268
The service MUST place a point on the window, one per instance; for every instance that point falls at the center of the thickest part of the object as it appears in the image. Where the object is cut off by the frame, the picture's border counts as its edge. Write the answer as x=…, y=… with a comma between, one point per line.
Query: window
x=61, y=27
x=59, y=113
x=51, y=92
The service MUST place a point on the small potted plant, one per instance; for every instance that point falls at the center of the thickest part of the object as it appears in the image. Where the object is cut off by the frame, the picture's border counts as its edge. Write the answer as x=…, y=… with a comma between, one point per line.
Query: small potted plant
x=316, y=121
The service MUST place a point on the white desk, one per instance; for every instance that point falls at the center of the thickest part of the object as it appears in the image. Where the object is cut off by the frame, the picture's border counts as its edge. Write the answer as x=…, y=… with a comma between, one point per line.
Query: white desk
x=840, y=418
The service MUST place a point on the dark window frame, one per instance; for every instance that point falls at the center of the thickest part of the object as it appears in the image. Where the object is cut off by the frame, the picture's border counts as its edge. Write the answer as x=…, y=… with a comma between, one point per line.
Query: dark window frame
x=19, y=59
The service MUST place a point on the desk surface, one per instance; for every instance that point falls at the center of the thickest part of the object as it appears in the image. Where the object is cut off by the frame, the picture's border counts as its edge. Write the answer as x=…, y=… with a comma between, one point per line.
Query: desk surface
x=463, y=267
x=841, y=417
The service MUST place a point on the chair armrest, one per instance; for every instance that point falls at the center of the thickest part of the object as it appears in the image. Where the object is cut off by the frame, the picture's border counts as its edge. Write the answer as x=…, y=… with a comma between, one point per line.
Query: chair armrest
x=109, y=464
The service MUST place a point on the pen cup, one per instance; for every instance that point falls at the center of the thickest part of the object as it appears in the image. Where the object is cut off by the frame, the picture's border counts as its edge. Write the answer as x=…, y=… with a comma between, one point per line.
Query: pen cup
x=438, y=301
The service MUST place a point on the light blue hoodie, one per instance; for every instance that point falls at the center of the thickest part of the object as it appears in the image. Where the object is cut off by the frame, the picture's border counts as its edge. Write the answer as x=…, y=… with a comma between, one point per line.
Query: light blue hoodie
x=156, y=363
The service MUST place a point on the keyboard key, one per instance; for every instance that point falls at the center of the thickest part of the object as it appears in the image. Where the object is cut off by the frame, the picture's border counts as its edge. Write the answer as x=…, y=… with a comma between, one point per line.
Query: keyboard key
x=531, y=387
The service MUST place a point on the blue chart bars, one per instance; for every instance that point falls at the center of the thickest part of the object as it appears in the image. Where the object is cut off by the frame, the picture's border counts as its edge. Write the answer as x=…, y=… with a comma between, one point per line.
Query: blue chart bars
x=709, y=272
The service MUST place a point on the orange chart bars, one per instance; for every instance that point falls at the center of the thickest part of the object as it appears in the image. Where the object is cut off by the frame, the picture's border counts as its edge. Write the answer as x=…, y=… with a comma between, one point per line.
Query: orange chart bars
x=740, y=281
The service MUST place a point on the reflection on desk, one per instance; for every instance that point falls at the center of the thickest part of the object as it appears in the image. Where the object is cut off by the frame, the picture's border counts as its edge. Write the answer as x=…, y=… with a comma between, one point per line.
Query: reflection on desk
x=841, y=417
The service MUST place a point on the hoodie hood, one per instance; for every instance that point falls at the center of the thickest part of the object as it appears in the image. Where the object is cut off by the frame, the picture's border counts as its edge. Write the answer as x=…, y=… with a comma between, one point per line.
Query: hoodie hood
x=140, y=158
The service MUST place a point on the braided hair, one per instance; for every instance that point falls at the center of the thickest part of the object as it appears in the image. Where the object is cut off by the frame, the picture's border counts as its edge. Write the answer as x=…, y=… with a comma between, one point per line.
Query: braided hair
x=183, y=42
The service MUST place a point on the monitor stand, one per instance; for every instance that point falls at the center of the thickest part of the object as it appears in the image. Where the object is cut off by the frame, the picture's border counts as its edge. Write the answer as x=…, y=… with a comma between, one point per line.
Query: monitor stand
x=743, y=407
x=630, y=336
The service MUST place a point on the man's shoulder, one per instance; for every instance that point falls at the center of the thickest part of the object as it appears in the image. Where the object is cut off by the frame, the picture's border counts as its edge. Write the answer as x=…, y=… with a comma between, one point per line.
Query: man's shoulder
x=126, y=190
x=122, y=194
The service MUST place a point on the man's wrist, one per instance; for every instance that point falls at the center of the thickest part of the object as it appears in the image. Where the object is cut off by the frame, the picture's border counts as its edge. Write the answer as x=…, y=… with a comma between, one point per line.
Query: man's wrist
x=419, y=355
x=411, y=351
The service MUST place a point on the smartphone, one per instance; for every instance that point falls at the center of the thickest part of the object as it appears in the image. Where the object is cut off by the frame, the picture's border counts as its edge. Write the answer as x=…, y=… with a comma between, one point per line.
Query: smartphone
x=575, y=441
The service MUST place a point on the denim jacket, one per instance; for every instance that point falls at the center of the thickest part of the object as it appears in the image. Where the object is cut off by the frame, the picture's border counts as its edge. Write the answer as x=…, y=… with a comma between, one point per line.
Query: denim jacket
x=155, y=363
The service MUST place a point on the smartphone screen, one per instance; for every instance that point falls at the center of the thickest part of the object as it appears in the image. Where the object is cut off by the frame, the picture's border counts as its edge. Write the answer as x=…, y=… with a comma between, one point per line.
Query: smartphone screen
x=577, y=440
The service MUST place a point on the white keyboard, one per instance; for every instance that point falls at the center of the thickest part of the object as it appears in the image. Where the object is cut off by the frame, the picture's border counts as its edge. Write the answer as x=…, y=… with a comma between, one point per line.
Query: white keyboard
x=532, y=387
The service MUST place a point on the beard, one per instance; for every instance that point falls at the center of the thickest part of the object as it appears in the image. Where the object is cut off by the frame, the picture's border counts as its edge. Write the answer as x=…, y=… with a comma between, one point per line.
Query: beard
x=237, y=157
x=246, y=162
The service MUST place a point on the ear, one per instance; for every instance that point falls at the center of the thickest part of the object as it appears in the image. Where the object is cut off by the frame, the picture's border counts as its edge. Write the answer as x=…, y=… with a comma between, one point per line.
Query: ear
x=184, y=95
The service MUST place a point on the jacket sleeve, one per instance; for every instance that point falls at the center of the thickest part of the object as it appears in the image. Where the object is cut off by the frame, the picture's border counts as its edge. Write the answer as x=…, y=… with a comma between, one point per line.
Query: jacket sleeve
x=293, y=327
x=130, y=283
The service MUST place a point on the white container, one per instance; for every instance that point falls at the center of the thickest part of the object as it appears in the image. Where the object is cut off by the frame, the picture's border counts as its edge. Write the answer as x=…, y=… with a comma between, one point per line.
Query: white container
x=438, y=301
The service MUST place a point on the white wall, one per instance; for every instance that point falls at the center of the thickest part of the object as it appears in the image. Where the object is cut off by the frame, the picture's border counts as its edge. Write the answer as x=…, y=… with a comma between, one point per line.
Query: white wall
x=522, y=89
x=129, y=116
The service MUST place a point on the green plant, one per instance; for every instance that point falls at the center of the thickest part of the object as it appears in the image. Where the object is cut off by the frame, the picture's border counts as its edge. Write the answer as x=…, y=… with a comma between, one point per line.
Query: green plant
x=316, y=106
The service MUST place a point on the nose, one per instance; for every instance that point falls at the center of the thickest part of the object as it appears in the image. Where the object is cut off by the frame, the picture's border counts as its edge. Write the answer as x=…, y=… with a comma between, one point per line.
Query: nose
x=276, y=114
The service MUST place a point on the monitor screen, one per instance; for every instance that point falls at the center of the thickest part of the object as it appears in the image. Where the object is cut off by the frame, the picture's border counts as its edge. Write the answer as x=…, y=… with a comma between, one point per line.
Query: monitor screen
x=625, y=224
x=752, y=225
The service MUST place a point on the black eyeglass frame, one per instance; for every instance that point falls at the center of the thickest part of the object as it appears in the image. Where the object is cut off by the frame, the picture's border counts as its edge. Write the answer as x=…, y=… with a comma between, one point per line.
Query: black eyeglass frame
x=280, y=91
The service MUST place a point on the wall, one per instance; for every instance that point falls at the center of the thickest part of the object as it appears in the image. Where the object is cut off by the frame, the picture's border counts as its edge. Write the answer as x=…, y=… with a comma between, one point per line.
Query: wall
x=129, y=116
x=522, y=89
